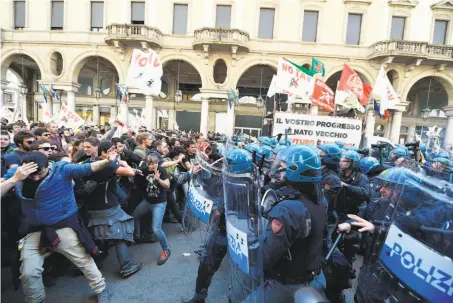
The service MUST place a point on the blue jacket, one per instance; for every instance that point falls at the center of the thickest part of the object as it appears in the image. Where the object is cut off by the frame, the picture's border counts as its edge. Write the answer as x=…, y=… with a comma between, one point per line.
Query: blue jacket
x=54, y=200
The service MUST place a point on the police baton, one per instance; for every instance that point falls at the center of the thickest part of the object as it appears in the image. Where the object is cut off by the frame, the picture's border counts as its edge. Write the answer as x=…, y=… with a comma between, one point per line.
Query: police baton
x=335, y=244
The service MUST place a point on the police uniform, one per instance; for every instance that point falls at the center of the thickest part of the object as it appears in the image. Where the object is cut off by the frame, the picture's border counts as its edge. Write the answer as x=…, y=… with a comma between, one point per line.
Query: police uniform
x=293, y=245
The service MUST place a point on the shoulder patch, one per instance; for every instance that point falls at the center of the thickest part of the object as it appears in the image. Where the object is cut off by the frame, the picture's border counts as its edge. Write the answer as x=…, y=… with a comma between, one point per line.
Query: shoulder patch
x=276, y=226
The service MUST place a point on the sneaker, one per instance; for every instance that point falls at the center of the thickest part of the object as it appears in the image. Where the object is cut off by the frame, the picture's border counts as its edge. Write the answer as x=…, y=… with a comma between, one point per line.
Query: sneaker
x=103, y=297
x=164, y=255
x=132, y=269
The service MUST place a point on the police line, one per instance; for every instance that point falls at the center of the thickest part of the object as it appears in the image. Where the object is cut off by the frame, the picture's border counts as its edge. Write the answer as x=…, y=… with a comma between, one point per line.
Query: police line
x=307, y=129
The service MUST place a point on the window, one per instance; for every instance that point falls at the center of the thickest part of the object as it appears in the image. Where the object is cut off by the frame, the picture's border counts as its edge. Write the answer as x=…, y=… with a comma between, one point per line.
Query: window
x=397, y=31
x=97, y=16
x=266, y=25
x=180, y=19
x=440, y=32
x=138, y=12
x=19, y=14
x=223, y=16
x=310, y=27
x=57, y=15
x=354, y=28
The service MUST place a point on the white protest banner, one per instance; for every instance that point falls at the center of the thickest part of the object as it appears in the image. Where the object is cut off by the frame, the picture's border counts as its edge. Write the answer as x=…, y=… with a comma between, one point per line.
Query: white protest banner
x=293, y=81
x=307, y=129
x=69, y=118
x=46, y=116
x=145, y=72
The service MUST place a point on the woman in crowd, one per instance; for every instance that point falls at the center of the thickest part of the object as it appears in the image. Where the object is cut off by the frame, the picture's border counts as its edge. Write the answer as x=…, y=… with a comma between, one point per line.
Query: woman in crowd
x=155, y=202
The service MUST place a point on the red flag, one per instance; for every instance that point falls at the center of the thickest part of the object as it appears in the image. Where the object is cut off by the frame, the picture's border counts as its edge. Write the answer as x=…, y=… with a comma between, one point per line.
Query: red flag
x=323, y=96
x=350, y=81
x=386, y=114
x=366, y=94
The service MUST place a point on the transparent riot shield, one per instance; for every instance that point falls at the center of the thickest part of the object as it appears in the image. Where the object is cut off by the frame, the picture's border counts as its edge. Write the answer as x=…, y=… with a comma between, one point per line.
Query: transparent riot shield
x=439, y=171
x=205, y=194
x=244, y=225
x=410, y=258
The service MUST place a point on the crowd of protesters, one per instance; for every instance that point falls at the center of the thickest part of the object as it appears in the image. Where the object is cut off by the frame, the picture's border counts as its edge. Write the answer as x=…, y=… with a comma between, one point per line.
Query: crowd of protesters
x=80, y=192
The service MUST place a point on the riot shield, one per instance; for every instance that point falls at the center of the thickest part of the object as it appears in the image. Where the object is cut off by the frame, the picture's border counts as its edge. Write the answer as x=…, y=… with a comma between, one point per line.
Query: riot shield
x=410, y=258
x=244, y=225
x=204, y=195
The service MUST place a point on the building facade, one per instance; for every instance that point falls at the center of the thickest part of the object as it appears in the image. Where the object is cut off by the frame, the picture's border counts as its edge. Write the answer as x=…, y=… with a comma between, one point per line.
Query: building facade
x=82, y=49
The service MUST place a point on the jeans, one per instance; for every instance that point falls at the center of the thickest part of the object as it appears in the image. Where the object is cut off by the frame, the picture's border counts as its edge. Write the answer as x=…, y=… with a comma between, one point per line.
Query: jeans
x=122, y=253
x=158, y=212
x=32, y=263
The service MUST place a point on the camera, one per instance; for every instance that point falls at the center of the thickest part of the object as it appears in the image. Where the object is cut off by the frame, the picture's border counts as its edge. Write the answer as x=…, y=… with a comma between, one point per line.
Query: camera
x=413, y=145
x=364, y=151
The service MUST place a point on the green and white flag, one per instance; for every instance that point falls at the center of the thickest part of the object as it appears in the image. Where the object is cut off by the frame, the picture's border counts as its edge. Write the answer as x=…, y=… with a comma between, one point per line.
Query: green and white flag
x=317, y=67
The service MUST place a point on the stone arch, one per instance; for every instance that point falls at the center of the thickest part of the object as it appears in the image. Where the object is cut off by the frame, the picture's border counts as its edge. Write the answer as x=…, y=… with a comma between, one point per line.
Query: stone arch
x=273, y=64
x=8, y=56
x=82, y=59
x=370, y=79
x=445, y=79
x=177, y=57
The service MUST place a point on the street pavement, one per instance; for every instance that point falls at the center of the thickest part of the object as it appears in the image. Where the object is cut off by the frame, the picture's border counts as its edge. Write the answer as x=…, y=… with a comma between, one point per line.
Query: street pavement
x=171, y=282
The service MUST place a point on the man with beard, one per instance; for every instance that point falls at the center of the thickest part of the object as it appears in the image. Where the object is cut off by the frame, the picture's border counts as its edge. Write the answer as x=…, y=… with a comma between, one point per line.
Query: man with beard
x=23, y=140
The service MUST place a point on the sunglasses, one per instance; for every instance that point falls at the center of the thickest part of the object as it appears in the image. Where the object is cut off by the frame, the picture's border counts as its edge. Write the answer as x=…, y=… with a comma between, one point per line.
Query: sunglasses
x=47, y=148
x=45, y=135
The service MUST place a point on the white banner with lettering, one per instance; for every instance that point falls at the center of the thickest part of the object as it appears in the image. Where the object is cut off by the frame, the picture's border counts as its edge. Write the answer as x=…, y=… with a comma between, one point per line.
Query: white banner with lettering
x=307, y=129
x=145, y=72
x=69, y=118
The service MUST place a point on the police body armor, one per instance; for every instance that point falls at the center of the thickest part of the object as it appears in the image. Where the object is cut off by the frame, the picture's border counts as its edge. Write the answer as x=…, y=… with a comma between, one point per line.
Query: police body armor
x=244, y=223
x=410, y=256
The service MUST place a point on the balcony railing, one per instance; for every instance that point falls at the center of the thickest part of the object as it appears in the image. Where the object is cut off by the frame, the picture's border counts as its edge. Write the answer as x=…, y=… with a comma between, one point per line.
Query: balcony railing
x=411, y=49
x=232, y=37
x=138, y=32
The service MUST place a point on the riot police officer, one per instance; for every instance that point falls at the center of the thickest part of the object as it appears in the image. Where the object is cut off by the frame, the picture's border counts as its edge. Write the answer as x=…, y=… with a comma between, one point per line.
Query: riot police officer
x=355, y=188
x=293, y=238
x=371, y=167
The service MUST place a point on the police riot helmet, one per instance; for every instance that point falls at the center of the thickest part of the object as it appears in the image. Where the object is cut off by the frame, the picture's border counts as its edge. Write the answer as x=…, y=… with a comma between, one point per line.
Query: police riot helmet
x=366, y=164
x=397, y=175
x=239, y=161
x=331, y=154
x=301, y=164
x=443, y=154
x=398, y=153
x=353, y=157
x=444, y=163
x=314, y=148
x=266, y=152
x=254, y=148
x=284, y=142
x=340, y=144
x=351, y=148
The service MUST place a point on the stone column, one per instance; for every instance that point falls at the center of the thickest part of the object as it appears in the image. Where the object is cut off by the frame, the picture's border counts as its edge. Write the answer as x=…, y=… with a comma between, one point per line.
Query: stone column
x=396, y=126
x=23, y=104
x=448, y=141
x=149, y=112
x=124, y=112
x=71, y=100
x=96, y=114
x=171, y=119
x=313, y=110
x=396, y=121
x=230, y=120
x=370, y=123
x=3, y=84
x=204, y=122
x=113, y=112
